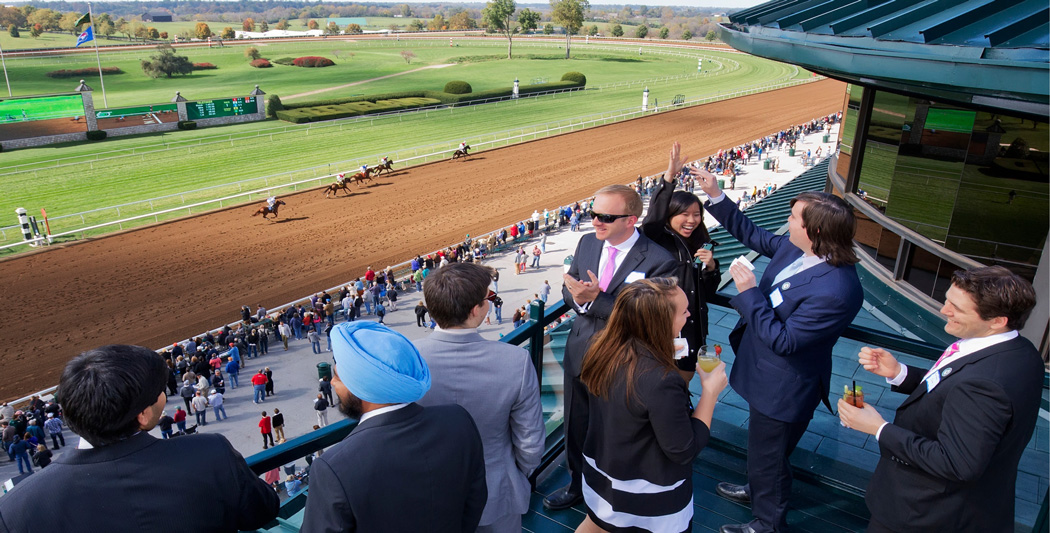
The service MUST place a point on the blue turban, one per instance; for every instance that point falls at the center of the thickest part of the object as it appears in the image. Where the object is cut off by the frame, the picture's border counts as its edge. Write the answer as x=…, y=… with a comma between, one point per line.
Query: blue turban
x=378, y=364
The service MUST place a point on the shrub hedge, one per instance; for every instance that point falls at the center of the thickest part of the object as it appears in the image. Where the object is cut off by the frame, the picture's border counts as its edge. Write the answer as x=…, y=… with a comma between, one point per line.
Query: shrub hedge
x=273, y=105
x=458, y=87
x=187, y=125
x=312, y=61
x=204, y=66
x=334, y=108
x=96, y=135
x=351, y=109
x=577, y=77
x=76, y=73
x=260, y=63
x=287, y=61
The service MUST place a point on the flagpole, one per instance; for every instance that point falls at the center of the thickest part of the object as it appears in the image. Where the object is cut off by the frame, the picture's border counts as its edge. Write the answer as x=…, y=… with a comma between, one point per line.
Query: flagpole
x=2, y=60
x=94, y=36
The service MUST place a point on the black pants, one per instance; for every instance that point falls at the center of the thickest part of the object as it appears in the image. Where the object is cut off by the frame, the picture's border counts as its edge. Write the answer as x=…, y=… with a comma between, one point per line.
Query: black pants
x=576, y=420
x=267, y=436
x=56, y=438
x=769, y=445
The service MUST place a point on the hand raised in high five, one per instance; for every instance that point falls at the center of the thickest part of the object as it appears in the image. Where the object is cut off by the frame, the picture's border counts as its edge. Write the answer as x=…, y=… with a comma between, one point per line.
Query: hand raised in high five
x=709, y=183
x=674, y=163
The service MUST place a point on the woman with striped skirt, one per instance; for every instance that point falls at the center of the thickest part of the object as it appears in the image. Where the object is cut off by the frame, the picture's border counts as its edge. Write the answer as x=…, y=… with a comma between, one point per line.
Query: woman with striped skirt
x=642, y=436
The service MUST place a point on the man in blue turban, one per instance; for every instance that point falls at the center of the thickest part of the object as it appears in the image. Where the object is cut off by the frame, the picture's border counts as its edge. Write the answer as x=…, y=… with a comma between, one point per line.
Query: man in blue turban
x=404, y=467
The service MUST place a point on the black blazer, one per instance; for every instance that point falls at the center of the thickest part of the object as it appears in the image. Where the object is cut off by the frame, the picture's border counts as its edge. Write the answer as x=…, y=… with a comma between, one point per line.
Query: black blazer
x=645, y=257
x=413, y=469
x=136, y=484
x=949, y=459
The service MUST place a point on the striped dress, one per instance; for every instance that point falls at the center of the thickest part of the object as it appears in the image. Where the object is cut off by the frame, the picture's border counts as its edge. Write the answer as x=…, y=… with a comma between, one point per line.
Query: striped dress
x=637, y=473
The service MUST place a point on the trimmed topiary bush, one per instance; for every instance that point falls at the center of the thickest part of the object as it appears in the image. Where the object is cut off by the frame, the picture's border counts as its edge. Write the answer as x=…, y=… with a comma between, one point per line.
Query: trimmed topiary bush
x=81, y=72
x=577, y=77
x=187, y=125
x=204, y=66
x=260, y=63
x=96, y=135
x=312, y=61
x=287, y=61
x=273, y=105
x=458, y=87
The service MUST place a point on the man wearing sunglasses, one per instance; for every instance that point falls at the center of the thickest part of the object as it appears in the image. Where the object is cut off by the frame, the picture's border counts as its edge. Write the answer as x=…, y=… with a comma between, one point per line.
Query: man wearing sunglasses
x=605, y=261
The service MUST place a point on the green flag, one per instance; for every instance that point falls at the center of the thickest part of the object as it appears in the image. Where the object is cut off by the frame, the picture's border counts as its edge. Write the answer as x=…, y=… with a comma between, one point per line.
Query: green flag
x=85, y=19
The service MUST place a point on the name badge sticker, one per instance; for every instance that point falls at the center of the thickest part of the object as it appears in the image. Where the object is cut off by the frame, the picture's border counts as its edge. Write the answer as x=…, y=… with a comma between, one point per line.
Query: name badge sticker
x=776, y=298
x=932, y=381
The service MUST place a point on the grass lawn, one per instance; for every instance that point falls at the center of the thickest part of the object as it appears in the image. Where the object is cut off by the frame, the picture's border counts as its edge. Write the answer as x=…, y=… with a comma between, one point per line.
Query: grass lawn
x=134, y=169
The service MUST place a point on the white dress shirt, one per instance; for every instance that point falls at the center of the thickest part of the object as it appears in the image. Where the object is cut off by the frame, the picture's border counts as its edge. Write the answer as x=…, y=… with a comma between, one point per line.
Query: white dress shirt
x=966, y=347
x=622, y=250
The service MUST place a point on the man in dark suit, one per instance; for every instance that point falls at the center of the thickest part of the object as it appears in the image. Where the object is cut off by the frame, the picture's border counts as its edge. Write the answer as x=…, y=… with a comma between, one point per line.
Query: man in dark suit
x=404, y=467
x=789, y=323
x=112, y=397
x=949, y=459
x=619, y=254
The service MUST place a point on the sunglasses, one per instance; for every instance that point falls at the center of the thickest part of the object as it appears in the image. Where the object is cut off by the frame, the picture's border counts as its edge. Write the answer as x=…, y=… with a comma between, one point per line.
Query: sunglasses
x=606, y=219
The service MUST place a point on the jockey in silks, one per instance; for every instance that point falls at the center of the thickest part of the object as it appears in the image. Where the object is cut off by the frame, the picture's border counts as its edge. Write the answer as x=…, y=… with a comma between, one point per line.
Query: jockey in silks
x=340, y=178
x=271, y=201
x=364, y=169
x=463, y=147
x=384, y=162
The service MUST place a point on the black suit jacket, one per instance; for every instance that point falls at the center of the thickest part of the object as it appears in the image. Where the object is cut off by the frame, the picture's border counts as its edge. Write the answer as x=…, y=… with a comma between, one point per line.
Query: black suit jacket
x=413, y=469
x=645, y=257
x=949, y=459
x=137, y=484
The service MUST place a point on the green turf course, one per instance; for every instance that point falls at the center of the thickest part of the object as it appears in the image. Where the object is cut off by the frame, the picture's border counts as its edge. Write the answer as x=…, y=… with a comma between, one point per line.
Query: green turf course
x=40, y=108
x=120, y=170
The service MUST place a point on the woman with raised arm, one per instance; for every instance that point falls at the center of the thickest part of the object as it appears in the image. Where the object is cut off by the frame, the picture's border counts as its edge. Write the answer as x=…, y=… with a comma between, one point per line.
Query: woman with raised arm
x=675, y=221
x=642, y=437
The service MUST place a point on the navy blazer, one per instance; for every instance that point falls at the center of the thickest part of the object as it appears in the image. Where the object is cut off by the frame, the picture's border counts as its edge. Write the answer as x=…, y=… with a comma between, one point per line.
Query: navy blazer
x=949, y=459
x=413, y=469
x=645, y=257
x=783, y=353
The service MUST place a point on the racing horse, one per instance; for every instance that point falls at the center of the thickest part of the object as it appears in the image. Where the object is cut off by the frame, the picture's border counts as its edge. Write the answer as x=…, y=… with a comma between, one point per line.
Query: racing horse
x=461, y=152
x=267, y=210
x=388, y=167
x=336, y=187
x=360, y=177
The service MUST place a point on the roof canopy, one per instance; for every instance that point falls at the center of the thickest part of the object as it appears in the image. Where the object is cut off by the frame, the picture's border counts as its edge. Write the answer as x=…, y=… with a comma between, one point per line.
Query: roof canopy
x=991, y=53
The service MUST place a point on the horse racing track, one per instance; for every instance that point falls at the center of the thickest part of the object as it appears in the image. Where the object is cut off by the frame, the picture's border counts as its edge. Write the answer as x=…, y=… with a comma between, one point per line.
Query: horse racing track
x=155, y=285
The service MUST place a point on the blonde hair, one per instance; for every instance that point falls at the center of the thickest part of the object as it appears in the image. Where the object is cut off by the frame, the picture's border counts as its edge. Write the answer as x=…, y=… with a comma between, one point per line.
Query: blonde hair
x=641, y=324
x=630, y=197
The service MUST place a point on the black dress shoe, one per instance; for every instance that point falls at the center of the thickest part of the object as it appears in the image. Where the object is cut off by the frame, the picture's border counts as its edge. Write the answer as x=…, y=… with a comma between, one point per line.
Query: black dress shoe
x=562, y=498
x=736, y=528
x=736, y=493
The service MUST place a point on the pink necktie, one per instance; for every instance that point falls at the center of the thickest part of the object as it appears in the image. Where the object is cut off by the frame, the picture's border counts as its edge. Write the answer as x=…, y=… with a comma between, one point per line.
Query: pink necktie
x=952, y=350
x=610, y=269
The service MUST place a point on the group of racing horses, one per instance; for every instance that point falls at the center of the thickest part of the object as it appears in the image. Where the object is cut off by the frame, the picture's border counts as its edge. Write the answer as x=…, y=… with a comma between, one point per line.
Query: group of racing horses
x=343, y=181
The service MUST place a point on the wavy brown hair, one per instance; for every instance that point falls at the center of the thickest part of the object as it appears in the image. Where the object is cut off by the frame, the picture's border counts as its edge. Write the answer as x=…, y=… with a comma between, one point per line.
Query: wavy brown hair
x=641, y=324
x=830, y=226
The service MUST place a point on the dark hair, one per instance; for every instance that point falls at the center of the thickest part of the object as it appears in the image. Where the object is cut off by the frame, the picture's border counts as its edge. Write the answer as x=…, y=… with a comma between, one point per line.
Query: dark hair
x=452, y=291
x=997, y=292
x=681, y=201
x=102, y=391
x=641, y=323
x=830, y=226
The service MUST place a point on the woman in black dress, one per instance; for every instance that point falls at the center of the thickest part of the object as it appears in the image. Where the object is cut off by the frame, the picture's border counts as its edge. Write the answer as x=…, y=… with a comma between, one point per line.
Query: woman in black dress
x=641, y=436
x=675, y=221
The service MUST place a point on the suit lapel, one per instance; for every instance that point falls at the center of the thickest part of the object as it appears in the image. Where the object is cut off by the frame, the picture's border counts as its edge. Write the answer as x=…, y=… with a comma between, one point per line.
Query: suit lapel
x=633, y=259
x=959, y=365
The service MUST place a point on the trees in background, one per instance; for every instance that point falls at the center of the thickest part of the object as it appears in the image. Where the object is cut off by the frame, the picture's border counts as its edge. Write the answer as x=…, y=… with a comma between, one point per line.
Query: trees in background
x=570, y=14
x=166, y=63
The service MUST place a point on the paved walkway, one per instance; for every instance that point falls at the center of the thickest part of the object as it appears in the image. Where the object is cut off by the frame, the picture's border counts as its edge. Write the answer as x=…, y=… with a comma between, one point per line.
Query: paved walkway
x=295, y=371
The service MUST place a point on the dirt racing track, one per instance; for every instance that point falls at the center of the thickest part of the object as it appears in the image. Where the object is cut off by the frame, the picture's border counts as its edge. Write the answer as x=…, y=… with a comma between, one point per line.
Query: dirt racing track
x=154, y=285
